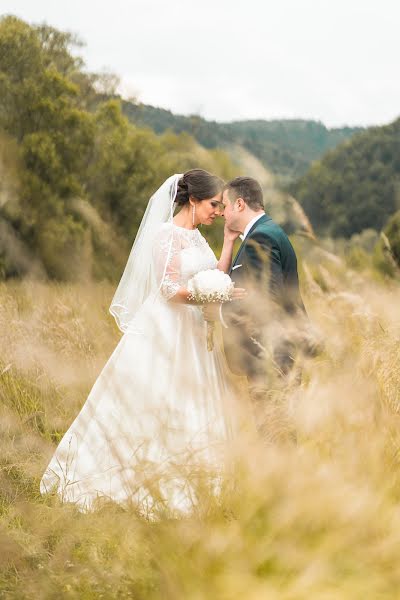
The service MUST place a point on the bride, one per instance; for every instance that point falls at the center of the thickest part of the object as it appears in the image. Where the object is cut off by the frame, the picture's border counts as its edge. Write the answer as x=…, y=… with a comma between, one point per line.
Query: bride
x=159, y=414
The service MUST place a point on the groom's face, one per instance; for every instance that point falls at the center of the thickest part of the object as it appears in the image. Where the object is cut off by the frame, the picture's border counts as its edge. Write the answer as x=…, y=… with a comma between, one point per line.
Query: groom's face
x=231, y=212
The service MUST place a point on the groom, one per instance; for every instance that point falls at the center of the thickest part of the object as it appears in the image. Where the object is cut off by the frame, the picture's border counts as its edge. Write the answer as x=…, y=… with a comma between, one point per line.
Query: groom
x=261, y=328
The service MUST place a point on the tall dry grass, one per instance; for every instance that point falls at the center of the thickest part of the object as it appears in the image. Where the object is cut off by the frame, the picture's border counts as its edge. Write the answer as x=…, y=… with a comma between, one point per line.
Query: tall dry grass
x=310, y=515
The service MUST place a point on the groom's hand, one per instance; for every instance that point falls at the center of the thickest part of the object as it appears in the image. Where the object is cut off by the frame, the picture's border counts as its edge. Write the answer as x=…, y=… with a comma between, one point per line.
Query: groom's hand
x=239, y=294
x=212, y=311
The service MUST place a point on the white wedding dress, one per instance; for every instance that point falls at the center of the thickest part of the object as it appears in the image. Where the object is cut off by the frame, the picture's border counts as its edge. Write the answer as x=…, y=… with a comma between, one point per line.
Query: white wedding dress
x=159, y=415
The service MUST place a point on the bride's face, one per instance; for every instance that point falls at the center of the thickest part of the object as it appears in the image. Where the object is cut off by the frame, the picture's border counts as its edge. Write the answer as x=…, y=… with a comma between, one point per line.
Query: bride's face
x=208, y=210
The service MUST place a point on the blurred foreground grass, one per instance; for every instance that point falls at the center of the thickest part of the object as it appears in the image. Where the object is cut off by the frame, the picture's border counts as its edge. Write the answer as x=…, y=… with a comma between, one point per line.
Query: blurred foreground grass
x=319, y=518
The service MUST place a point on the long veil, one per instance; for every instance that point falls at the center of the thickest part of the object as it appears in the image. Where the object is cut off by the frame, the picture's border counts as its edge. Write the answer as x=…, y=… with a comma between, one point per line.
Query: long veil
x=138, y=280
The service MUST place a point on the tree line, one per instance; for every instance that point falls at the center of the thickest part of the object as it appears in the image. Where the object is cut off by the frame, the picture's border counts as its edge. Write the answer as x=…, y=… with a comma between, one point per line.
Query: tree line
x=355, y=186
x=286, y=147
x=76, y=174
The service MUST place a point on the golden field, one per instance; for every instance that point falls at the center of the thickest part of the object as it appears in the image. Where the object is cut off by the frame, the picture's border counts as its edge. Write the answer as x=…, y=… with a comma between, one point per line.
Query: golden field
x=315, y=515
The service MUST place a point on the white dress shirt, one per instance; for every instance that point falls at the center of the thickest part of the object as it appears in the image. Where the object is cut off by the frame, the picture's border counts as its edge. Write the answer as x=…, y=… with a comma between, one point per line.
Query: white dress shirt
x=250, y=225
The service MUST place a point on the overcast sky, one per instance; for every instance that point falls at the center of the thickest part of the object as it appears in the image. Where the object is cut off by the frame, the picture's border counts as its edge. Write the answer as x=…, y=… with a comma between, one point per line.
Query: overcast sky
x=337, y=61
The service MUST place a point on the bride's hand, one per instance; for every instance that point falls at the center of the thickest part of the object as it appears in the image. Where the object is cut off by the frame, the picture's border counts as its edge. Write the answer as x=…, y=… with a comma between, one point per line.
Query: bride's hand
x=230, y=234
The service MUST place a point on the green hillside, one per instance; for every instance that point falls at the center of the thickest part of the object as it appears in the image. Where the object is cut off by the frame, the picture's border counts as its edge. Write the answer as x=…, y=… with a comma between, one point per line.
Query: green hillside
x=75, y=174
x=286, y=147
x=356, y=186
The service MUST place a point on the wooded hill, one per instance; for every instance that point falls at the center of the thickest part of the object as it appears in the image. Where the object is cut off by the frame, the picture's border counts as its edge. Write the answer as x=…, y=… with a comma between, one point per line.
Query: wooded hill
x=285, y=147
x=355, y=186
x=76, y=175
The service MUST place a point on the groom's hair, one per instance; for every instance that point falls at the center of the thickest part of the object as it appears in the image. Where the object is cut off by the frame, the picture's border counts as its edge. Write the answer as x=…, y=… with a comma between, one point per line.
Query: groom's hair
x=247, y=188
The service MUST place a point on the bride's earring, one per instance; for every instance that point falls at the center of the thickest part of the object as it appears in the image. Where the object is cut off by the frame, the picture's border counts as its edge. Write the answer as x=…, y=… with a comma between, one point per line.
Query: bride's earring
x=193, y=214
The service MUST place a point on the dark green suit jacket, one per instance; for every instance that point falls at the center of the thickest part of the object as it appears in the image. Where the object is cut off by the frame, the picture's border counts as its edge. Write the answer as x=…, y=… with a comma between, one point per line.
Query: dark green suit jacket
x=266, y=266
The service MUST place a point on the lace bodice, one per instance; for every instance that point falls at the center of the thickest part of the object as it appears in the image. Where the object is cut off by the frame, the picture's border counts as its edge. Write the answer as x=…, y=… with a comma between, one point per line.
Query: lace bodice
x=179, y=254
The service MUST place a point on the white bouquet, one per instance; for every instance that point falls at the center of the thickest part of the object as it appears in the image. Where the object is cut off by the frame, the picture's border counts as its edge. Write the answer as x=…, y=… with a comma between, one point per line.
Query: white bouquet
x=211, y=285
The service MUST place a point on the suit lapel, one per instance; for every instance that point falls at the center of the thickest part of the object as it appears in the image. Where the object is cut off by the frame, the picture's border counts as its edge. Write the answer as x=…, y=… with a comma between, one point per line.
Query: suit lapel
x=260, y=221
x=237, y=255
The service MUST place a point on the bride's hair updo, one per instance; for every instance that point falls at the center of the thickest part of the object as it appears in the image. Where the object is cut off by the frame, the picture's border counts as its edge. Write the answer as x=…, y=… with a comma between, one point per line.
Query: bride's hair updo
x=198, y=184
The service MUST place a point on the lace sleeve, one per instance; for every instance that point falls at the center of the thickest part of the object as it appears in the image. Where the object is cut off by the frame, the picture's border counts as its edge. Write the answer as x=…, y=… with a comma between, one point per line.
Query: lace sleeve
x=166, y=257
